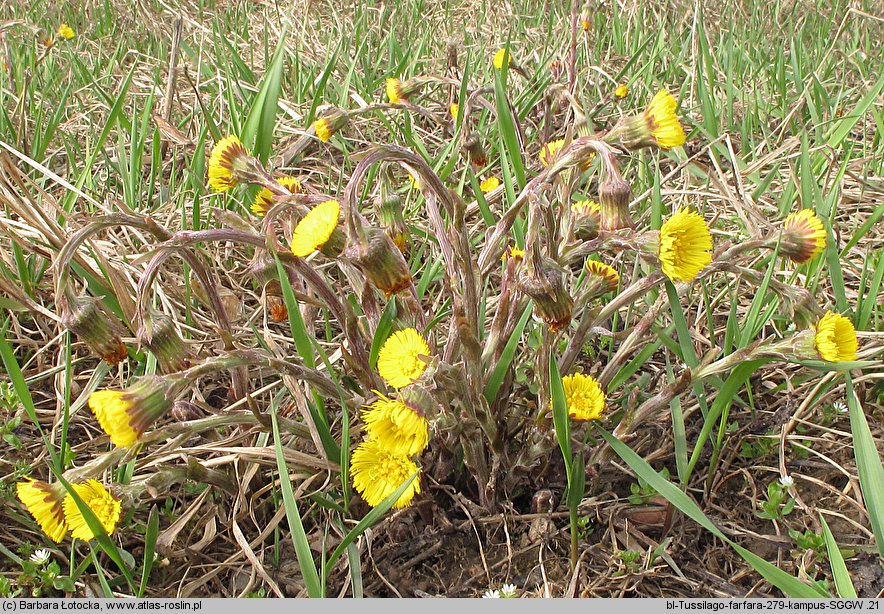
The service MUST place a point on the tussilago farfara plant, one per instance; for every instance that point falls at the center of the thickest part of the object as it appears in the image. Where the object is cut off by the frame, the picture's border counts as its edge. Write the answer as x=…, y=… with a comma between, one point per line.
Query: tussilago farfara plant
x=428, y=314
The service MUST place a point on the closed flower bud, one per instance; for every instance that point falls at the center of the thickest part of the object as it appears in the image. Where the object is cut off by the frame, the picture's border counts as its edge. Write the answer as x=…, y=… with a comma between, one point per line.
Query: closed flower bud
x=375, y=254
x=329, y=123
x=389, y=210
x=84, y=318
x=803, y=236
x=544, y=285
x=159, y=334
x=400, y=92
x=614, y=197
x=475, y=151
x=274, y=303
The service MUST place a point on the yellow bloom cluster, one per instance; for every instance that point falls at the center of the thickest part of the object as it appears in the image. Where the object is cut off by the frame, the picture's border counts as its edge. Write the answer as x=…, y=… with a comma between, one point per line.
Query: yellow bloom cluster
x=57, y=512
x=396, y=428
x=584, y=396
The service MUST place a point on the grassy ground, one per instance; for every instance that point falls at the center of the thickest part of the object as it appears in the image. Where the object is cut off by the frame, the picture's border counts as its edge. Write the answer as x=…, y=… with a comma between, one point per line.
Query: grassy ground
x=782, y=105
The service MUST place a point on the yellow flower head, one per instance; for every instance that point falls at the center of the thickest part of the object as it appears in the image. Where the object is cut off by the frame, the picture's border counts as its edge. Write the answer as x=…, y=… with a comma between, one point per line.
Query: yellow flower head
x=835, y=338
x=515, y=253
x=323, y=129
x=804, y=236
x=105, y=507
x=126, y=414
x=399, y=360
x=44, y=503
x=315, y=228
x=584, y=396
x=331, y=121
x=490, y=184
x=604, y=273
x=226, y=154
x=398, y=428
x=549, y=151
x=394, y=91
x=65, y=31
x=621, y=91
x=586, y=207
x=685, y=245
x=454, y=109
x=378, y=472
x=663, y=121
x=584, y=24
x=265, y=199
x=499, y=59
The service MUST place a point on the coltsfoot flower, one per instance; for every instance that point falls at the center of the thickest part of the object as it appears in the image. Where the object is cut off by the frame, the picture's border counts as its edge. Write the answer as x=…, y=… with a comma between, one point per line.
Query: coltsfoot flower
x=45, y=503
x=804, y=236
x=657, y=126
x=584, y=396
x=265, y=199
x=397, y=426
x=400, y=92
x=454, y=109
x=542, y=282
x=228, y=156
x=685, y=245
x=835, y=338
x=587, y=219
x=316, y=230
x=602, y=275
x=65, y=31
x=399, y=361
x=329, y=124
x=550, y=151
x=377, y=473
x=105, y=507
x=500, y=57
x=83, y=317
x=380, y=260
x=490, y=184
x=621, y=91
x=125, y=415
x=614, y=197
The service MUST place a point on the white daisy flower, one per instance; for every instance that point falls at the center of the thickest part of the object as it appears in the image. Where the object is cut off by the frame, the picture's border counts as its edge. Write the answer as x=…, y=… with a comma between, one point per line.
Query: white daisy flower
x=508, y=591
x=491, y=594
x=786, y=481
x=840, y=407
x=40, y=556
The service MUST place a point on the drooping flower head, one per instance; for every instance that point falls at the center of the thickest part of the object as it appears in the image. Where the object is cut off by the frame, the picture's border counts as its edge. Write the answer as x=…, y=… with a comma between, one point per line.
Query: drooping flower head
x=587, y=219
x=380, y=260
x=399, y=361
x=584, y=396
x=377, y=473
x=83, y=317
x=126, y=414
x=316, y=228
x=614, y=197
x=161, y=337
x=542, y=282
x=500, y=57
x=685, y=245
x=65, y=31
x=804, y=236
x=44, y=503
x=657, y=126
x=398, y=427
x=331, y=122
x=490, y=184
x=105, y=507
x=835, y=338
x=400, y=92
x=602, y=275
x=228, y=156
x=621, y=91
x=265, y=199
x=475, y=152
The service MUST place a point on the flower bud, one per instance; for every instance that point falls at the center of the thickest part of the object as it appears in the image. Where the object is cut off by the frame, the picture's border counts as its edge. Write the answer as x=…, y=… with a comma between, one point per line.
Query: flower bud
x=614, y=197
x=658, y=126
x=389, y=209
x=159, y=334
x=84, y=318
x=803, y=238
x=543, y=284
x=475, y=151
x=375, y=254
x=600, y=279
x=587, y=219
x=274, y=303
x=400, y=92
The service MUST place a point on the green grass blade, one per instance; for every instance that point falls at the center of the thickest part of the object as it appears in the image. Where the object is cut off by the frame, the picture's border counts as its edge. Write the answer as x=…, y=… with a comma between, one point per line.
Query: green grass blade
x=495, y=380
x=258, y=129
x=868, y=464
x=843, y=583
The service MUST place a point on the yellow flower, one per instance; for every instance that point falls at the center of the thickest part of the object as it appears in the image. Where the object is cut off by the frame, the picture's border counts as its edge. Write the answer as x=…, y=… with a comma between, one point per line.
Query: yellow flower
x=549, y=151
x=685, y=245
x=323, y=129
x=586, y=207
x=804, y=236
x=663, y=121
x=584, y=23
x=397, y=427
x=377, y=473
x=398, y=361
x=835, y=338
x=584, y=396
x=126, y=414
x=65, y=31
x=603, y=272
x=499, y=59
x=105, y=507
x=44, y=503
x=454, y=109
x=621, y=91
x=315, y=228
x=225, y=155
x=331, y=121
x=516, y=254
x=265, y=199
x=490, y=184
x=394, y=91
